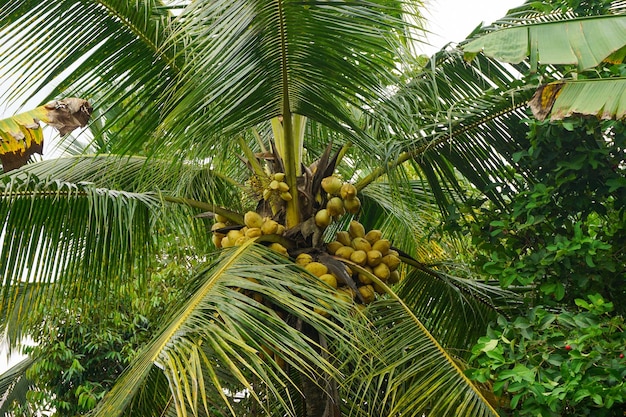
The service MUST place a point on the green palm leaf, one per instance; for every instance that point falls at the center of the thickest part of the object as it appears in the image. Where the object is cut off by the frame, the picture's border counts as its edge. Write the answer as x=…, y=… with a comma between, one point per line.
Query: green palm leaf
x=467, y=121
x=249, y=62
x=442, y=300
x=75, y=231
x=14, y=384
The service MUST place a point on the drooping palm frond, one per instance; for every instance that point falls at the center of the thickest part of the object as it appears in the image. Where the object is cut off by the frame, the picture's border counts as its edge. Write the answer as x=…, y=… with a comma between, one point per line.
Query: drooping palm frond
x=194, y=181
x=220, y=338
x=21, y=136
x=74, y=231
x=411, y=375
x=454, y=118
x=455, y=309
x=14, y=384
x=560, y=39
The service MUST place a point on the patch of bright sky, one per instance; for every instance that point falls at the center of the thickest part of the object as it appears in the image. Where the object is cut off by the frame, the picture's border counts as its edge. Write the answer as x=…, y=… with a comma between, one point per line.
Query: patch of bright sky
x=451, y=21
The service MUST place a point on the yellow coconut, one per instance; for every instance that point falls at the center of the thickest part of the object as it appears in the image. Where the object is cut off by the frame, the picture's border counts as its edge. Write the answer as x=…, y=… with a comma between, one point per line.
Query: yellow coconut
x=322, y=218
x=382, y=245
x=359, y=257
x=356, y=229
x=352, y=205
x=269, y=227
x=359, y=243
x=253, y=232
x=277, y=247
x=329, y=279
x=373, y=236
x=316, y=268
x=368, y=294
x=344, y=252
x=304, y=259
x=347, y=191
x=253, y=219
x=392, y=261
x=374, y=257
x=331, y=184
x=333, y=246
x=382, y=271
x=344, y=238
x=335, y=206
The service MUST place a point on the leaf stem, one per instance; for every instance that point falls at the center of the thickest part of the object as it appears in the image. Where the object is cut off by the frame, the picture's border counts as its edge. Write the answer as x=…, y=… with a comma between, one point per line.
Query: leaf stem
x=290, y=158
x=233, y=216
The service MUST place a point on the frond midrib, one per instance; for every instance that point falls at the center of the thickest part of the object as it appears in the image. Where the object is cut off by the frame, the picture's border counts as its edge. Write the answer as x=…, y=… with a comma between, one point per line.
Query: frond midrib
x=140, y=35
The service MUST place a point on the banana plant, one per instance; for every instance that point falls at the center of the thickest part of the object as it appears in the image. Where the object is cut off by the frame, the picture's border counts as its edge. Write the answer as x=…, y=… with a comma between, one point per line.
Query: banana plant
x=582, y=43
x=21, y=136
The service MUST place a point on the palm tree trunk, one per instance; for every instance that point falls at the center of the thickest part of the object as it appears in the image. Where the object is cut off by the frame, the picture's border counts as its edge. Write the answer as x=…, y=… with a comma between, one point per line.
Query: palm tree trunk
x=321, y=396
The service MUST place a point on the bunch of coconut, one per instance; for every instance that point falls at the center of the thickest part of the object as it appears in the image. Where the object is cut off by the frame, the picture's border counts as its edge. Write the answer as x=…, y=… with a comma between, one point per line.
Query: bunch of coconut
x=226, y=235
x=340, y=198
x=366, y=255
x=370, y=256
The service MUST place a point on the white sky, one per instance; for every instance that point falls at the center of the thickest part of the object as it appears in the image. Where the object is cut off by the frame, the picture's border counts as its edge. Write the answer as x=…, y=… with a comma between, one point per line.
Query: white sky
x=453, y=20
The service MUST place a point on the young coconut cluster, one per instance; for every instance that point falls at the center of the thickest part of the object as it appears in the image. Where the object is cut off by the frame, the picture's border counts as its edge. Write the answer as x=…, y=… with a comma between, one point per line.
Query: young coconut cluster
x=277, y=186
x=370, y=256
x=226, y=235
x=341, y=198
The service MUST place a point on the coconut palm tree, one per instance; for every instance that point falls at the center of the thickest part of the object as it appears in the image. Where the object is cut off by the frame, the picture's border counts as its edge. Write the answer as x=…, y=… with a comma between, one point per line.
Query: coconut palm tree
x=258, y=135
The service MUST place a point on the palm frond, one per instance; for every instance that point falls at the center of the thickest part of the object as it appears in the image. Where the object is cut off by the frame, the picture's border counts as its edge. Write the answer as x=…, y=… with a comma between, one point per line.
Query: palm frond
x=413, y=378
x=75, y=231
x=80, y=47
x=405, y=211
x=14, y=384
x=214, y=343
x=455, y=309
x=142, y=175
x=21, y=136
x=456, y=118
x=247, y=61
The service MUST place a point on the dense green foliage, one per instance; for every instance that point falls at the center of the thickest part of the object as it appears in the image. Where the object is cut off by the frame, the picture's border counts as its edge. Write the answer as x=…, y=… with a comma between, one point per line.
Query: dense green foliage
x=565, y=233
x=557, y=362
x=561, y=242
x=78, y=355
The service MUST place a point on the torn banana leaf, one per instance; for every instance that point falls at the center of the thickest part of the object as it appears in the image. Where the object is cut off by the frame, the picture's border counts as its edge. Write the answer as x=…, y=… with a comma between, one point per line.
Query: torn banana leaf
x=601, y=98
x=584, y=42
x=21, y=136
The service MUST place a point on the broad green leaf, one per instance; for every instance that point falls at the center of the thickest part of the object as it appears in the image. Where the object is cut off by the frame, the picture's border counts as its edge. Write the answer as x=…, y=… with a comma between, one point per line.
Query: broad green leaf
x=583, y=42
